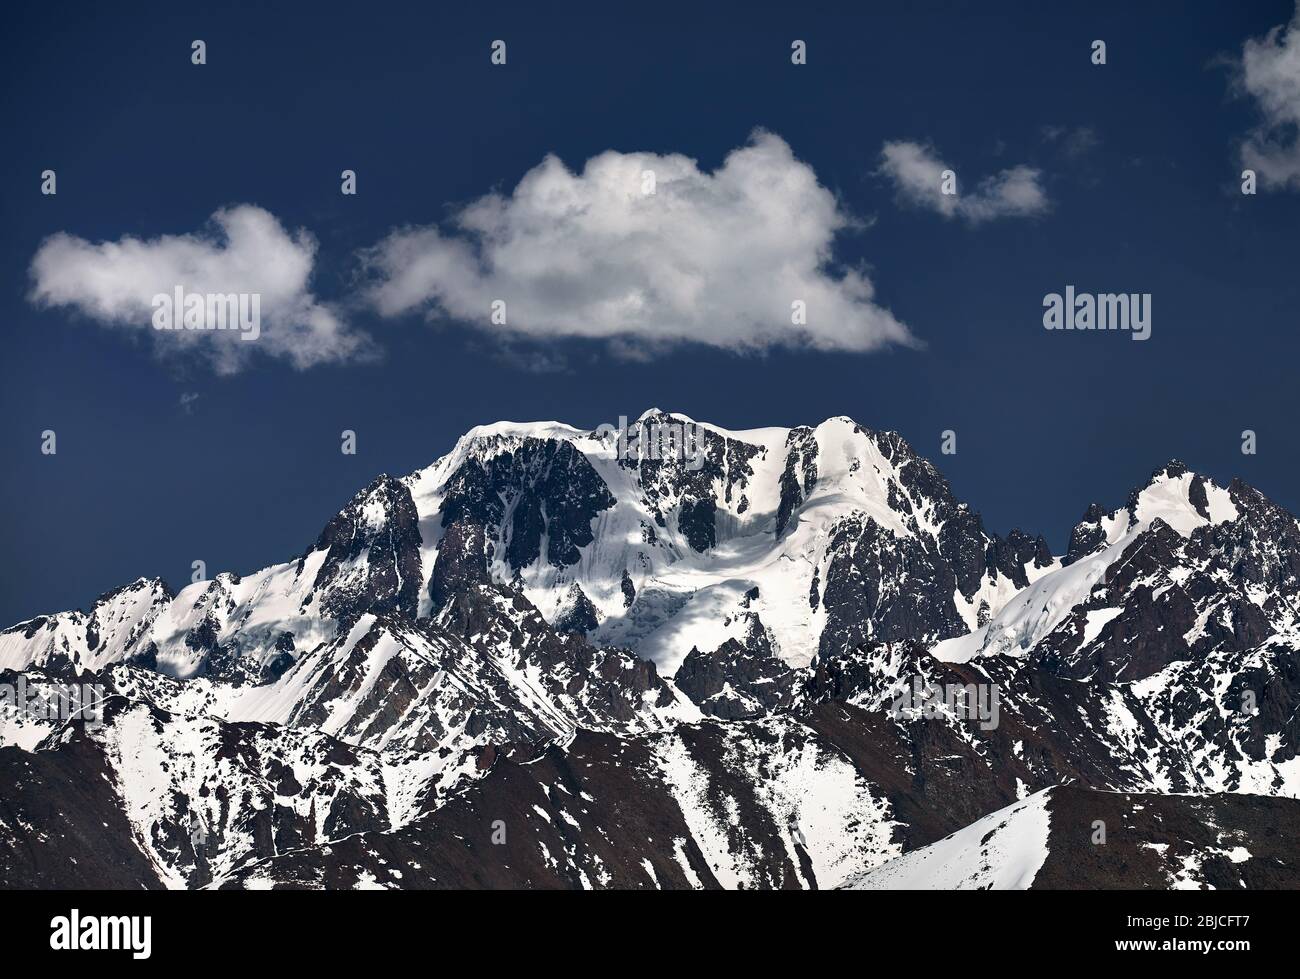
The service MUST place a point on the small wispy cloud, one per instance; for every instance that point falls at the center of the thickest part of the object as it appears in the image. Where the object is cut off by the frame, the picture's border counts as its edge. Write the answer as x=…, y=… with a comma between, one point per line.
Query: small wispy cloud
x=917, y=174
x=1073, y=141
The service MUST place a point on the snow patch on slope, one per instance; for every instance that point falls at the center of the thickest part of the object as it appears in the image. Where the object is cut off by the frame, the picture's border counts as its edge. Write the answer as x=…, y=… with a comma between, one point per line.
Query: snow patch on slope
x=1003, y=851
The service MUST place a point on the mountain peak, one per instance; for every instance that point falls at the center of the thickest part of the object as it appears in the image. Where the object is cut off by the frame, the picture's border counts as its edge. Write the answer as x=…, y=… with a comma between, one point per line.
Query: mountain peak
x=1172, y=469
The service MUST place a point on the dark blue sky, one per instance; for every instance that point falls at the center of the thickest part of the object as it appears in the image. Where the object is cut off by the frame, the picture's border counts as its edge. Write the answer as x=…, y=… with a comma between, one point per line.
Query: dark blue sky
x=146, y=144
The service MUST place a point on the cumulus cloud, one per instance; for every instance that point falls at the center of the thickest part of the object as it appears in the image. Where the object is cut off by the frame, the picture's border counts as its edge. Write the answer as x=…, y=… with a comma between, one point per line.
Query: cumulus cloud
x=1269, y=72
x=246, y=250
x=917, y=174
x=716, y=258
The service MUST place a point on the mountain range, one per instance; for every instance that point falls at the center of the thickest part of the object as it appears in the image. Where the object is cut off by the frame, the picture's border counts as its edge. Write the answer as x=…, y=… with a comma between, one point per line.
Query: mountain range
x=552, y=659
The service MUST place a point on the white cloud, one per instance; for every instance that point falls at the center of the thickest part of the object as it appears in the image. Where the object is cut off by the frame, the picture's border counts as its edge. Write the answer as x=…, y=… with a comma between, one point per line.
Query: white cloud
x=246, y=251
x=1270, y=73
x=716, y=258
x=917, y=174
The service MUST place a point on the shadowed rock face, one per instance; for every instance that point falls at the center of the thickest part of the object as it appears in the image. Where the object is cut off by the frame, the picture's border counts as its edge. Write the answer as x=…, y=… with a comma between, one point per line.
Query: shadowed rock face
x=708, y=471
x=577, y=614
x=372, y=561
x=1087, y=536
x=880, y=586
x=738, y=679
x=461, y=564
x=1017, y=552
x=547, y=487
x=800, y=474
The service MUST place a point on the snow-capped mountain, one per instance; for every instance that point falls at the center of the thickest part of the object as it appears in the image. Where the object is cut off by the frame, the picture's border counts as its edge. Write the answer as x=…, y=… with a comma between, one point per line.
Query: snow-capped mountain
x=570, y=658
x=661, y=555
